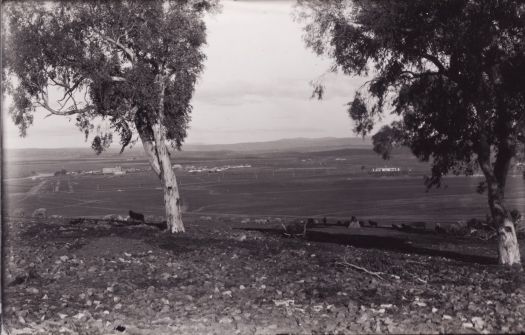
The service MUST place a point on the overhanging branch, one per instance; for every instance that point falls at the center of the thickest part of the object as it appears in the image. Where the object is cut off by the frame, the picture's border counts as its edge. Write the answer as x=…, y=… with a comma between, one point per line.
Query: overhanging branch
x=434, y=60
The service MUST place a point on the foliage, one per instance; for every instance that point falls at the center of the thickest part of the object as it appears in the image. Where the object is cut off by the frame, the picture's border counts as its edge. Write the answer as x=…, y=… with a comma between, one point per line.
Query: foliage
x=105, y=58
x=451, y=70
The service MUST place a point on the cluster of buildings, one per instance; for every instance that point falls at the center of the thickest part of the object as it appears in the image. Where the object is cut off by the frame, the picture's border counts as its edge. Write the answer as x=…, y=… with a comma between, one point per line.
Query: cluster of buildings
x=382, y=171
x=194, y=169
x=115, y=171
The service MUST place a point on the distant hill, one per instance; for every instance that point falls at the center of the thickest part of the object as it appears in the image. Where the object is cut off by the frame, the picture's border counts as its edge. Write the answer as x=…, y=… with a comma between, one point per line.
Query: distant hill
x=283, y=145
x=290, y=144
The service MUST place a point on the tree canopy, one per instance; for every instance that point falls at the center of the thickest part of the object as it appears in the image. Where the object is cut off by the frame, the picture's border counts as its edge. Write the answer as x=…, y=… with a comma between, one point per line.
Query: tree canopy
x=134, y=63
x=104, y=58
x=452, y=70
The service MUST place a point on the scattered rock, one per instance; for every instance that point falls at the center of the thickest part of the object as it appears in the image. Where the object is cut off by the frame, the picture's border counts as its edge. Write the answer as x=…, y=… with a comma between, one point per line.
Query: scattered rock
x=32, y=290
x=19, y=213
x=467, y=325
x=40, y=213
x=478, y=322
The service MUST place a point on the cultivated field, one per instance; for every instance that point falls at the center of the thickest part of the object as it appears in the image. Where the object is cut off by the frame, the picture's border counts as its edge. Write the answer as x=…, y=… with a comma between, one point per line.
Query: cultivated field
x=279, y=185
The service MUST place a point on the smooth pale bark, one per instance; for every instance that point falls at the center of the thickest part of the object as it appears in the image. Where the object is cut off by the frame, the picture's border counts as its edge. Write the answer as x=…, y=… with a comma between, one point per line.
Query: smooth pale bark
x=159, y=158
x=169, y=182
x=149, y=149
x=508, y=248
x=496, y=177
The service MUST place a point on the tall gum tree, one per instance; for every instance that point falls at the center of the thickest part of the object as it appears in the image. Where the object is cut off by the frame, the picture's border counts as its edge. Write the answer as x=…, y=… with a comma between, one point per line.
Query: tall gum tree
x=451, y=70
x=132, y=63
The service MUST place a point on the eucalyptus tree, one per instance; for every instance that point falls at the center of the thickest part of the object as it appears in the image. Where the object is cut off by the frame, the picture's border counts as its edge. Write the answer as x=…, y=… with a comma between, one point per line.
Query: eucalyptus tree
x=132, y=63
x=452, y=73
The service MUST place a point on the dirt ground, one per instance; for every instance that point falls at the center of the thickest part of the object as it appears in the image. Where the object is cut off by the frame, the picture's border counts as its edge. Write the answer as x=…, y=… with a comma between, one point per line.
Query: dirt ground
x=221, y=278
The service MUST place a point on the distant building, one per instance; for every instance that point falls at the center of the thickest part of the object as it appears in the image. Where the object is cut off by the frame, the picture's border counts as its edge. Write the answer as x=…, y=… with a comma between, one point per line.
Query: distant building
x=385, y=171
x=114, y=170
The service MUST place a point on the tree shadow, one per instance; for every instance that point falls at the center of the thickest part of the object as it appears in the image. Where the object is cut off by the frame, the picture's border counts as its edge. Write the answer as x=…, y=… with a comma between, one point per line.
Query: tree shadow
x=387, y=243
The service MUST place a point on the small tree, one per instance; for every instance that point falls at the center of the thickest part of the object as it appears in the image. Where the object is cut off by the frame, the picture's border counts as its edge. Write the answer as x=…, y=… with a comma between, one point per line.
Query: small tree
x=451, y=70
x=133, y=63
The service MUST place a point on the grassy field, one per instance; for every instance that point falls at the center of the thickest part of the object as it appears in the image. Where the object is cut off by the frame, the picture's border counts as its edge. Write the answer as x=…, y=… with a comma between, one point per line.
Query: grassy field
x=288, y=184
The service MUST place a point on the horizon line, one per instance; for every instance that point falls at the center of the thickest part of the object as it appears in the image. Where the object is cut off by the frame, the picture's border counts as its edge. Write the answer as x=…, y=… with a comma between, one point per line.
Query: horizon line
x=197, y=143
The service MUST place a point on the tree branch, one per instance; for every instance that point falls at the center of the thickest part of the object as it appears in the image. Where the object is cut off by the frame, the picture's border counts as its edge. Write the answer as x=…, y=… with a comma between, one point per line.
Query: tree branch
x=376, y=274
x=436, y=62
x=420, y=75
x=127, y=51
x=72, y=88
x=118, y=79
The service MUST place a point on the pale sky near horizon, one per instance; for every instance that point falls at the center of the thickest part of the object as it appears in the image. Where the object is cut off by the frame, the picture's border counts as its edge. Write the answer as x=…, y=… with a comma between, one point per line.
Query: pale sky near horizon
x=255, y=85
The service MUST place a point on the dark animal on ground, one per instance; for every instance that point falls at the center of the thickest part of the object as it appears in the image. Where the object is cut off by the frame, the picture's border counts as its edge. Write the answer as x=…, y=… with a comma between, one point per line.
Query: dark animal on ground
x=372, y=223
x=136, y=216
x=439, y=229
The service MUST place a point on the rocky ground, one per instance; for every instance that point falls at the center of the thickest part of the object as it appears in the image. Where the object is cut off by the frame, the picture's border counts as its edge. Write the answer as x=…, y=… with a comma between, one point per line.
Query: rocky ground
x=101, y=278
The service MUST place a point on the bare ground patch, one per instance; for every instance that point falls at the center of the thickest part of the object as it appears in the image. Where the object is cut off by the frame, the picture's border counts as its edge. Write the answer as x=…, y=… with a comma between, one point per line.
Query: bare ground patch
x=104, y=279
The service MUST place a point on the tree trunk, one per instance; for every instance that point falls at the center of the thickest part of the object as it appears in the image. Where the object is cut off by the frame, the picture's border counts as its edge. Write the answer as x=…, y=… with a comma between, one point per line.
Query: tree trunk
x=159, y=158
x=168, y=182
x=508, y=248
x=495, y=177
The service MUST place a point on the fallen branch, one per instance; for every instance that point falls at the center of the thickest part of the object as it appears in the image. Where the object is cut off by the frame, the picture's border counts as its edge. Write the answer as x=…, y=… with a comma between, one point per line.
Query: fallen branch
x=376, y=274
x=418, y=278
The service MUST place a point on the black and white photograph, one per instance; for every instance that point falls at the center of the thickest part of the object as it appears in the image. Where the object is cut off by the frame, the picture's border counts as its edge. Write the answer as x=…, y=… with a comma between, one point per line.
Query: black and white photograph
x=262, y=167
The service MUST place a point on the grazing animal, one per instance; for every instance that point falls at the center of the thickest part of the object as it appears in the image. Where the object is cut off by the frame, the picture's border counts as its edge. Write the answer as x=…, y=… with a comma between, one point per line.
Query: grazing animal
x=324, y=220
x=310, y=222
x=136, y=216
x=372, y=223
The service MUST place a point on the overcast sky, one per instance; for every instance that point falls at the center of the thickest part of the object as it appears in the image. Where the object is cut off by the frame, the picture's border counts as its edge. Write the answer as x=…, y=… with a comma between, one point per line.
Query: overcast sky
x=255, y=86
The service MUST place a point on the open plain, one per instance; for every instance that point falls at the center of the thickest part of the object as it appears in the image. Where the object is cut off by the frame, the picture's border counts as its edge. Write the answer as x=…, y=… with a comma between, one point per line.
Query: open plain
x=235, y=271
